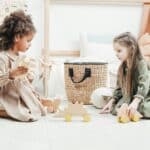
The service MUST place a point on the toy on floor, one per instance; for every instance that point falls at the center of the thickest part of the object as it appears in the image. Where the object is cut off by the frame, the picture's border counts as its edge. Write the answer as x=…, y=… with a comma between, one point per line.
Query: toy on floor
x=76, y=109
x=123, y=116
x=52, y=106
x=136, y=116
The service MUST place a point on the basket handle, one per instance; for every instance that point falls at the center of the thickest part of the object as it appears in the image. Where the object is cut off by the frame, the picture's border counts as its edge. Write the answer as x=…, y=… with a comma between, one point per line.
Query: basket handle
x=87, y=74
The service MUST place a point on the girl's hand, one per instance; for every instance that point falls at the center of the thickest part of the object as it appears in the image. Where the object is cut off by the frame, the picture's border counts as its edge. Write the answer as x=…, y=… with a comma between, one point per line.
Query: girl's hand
x=133, y=106
x=18, y=72
x=123, y=110
x=107, y=107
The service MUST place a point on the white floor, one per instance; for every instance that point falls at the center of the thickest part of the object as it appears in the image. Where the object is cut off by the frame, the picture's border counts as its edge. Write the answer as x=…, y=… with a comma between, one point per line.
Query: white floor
x=50, y=133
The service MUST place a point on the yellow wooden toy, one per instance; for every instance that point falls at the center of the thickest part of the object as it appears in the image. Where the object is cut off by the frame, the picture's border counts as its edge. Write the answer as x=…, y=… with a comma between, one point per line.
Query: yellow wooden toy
x=124, y=117
x=122, y=114
x=68, y=118
x=136, y=116
x=76, y=109
x=86, y=118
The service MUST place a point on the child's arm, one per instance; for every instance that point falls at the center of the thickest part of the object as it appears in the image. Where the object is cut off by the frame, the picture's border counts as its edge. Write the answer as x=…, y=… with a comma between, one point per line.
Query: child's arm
x=4, y=71
x=143, y=86
x=143, y=81
x=107, y=108
x=17, y=72
x=134, y=105
x=6, y=74
x=117, y=94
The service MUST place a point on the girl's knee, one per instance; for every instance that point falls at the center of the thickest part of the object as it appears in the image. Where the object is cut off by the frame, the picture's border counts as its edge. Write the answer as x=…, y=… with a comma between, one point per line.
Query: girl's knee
x=100, y=96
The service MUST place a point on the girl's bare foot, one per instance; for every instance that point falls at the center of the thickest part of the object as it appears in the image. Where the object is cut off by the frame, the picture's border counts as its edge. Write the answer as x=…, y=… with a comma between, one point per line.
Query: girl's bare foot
x=52, y=105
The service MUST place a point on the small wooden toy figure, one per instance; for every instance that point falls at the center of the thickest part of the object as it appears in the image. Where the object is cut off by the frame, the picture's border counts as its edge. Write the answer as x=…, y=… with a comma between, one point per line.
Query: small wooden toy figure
x=27, y=62
x=74, y=110
x=135, y=115
x=123, y=116
x=23, y=61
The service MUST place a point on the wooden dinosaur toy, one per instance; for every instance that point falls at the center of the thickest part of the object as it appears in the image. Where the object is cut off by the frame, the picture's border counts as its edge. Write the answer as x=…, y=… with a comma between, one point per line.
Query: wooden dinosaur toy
x=76, y=109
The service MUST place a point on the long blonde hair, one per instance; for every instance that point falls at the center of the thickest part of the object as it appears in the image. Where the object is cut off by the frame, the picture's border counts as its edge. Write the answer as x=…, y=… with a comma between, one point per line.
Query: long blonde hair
x=126, y=73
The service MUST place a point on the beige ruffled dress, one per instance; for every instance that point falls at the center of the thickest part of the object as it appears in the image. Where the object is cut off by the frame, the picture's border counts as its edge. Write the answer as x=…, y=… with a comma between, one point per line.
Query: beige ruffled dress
x=17, y=97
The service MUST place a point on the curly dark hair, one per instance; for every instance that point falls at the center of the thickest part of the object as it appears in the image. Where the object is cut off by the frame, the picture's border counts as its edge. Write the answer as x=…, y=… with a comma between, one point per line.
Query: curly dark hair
x=16, y=24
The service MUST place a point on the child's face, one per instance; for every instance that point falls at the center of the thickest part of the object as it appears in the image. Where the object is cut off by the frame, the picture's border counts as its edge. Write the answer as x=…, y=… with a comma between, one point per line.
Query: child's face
x=121, y=52
x=22, y=44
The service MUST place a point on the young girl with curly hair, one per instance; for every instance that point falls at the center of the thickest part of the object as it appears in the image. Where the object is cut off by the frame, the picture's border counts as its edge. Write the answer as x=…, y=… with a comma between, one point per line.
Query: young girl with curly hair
x=18, y=98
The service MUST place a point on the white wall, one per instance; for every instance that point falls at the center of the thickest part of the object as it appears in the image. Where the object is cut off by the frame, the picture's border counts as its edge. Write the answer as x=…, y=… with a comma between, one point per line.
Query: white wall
x=68, y=21
x=36, y=9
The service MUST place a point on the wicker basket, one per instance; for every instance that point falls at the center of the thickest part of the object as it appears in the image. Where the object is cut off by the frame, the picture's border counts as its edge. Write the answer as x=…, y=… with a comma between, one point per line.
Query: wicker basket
x=81, y=79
